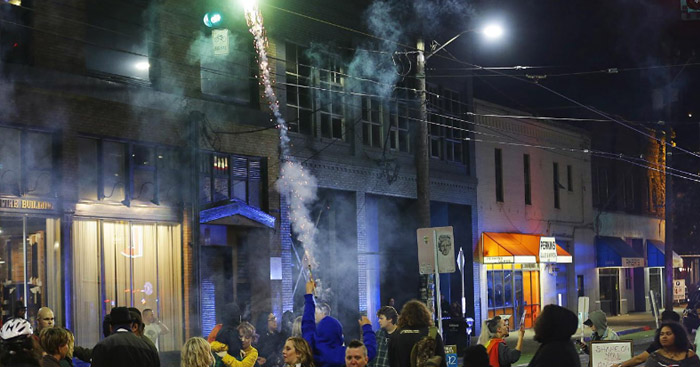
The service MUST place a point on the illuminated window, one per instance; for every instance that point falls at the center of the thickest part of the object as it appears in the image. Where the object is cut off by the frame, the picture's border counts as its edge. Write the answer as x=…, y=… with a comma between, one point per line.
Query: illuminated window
x=131, y=264
x=224, y=177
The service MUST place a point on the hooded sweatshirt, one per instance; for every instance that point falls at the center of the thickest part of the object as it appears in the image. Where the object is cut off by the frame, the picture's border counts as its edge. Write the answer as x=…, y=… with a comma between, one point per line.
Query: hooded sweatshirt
x=326, y=338
x=603, y=332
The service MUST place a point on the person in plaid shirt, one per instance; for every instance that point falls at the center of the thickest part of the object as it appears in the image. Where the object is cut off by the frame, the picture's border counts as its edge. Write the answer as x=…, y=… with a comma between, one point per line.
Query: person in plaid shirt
x=387, y=316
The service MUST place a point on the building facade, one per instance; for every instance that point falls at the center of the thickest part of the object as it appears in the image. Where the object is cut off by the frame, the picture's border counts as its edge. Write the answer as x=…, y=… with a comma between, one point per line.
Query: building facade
x=535, y=214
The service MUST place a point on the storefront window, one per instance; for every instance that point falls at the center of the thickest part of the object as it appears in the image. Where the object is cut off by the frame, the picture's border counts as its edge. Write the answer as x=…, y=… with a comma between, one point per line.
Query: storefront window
x=513, y=290
x=139, y=265
x=30, y=266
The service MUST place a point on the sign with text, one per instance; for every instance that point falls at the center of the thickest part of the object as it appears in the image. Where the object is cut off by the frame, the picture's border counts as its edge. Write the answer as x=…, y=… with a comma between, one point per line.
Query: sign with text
x=25, y=204
x=605, y=353
x=632, y=262
x=548, y=250
x=427, y=247
x=678, y=289
x=219, y=39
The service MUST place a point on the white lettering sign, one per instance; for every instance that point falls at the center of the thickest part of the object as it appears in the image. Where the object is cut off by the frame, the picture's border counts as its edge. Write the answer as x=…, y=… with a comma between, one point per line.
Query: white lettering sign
x=609, y=353
x=548, y=250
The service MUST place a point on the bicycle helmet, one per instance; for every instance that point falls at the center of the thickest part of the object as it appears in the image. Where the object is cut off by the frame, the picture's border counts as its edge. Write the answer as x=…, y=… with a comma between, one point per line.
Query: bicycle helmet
x=15, y=329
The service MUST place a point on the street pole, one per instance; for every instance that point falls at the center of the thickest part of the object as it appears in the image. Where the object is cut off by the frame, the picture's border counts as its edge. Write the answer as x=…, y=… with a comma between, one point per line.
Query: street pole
x=422, y=166
x=668, y=213
x=460, y=263
x=422, y=153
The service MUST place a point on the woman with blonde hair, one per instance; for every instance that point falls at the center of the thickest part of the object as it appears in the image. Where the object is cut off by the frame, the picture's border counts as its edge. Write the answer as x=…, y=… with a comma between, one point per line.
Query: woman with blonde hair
x=297, y=353
x=248, y=354
x=196, y=353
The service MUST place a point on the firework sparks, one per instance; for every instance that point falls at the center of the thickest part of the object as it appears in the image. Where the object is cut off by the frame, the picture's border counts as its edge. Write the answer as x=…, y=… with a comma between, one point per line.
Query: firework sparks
x=296, y=184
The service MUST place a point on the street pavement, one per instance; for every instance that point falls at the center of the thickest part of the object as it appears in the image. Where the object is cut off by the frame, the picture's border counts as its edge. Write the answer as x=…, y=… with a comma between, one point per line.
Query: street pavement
x=638, y=326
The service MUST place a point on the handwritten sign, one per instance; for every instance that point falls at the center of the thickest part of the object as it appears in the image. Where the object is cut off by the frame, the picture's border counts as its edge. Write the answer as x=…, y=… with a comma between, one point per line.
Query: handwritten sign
x=609, y=352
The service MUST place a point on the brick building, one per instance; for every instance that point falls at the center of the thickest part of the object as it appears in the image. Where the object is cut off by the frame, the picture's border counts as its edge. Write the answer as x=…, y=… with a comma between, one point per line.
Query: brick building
x=138, y=166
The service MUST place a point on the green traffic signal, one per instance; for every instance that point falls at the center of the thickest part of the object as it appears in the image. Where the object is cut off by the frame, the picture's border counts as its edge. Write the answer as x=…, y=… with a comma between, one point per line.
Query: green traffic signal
x=212, y=19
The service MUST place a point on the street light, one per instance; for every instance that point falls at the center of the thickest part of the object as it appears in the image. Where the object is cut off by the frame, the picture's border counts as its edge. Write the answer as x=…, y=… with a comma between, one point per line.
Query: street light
x=422, y=153
x=493, y=31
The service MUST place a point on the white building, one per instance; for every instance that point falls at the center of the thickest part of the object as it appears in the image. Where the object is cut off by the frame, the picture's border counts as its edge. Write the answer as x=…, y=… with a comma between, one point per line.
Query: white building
x=534, y=182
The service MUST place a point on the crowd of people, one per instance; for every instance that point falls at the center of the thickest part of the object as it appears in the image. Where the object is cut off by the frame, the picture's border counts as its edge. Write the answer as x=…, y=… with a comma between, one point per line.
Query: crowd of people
x=316, y=339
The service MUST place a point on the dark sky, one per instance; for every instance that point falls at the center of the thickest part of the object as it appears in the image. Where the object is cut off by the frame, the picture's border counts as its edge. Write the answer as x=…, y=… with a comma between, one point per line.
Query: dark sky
x=564, y=37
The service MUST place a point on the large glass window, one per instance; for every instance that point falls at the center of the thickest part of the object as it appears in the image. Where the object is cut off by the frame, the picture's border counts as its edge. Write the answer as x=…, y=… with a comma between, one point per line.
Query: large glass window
x=26, y=163
x=331, y=99
x=117, y=171
x=30, y=266
x=299, y=95
x=512, y=290
x=447, y=130
x=117, y=39
x=127, y=264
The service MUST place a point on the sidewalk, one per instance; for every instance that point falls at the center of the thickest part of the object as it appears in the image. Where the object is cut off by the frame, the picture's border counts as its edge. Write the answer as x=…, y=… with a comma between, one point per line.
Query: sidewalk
x=635, y=326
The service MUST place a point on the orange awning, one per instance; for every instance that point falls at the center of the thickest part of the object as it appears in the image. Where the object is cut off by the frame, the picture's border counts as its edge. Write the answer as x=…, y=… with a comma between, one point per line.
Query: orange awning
x=516, y=248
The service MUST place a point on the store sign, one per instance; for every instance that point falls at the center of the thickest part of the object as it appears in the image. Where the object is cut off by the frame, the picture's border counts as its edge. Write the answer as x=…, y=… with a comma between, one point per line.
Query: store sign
x=632, y=262
x=25, y=204
x=498, y=260
x=548, y=250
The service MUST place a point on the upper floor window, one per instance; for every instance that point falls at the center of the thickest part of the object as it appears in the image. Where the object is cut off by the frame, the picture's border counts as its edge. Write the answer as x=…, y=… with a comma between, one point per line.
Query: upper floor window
x=498, y=165
x=331, y=98
x=227, y=176
x=299, y=95
x=26, y=162
x=399, y=138
x=526, y=176
x=227, y=75
x=371, y=122
x=447, y=131
x=117, y=38
x=569, y=178
x=126, y=172
x=555, y=180
x=314, y=94
x=15, y=30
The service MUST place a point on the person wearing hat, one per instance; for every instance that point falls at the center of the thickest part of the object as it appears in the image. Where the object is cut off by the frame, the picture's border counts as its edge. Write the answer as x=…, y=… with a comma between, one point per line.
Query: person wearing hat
x=123, y=347
x=598, y=323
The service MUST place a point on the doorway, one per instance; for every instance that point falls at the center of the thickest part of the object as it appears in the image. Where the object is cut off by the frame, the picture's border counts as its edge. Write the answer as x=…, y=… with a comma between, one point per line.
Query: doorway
x=609, y=290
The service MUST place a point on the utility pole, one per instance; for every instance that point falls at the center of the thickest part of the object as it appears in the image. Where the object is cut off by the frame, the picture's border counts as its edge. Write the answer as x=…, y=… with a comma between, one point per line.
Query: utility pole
x=422, y=153
x=423, y=171
x=669, y=214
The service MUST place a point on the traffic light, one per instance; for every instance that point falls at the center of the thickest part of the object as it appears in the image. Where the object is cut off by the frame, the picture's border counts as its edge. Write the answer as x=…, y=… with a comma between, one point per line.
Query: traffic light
x=213, y=19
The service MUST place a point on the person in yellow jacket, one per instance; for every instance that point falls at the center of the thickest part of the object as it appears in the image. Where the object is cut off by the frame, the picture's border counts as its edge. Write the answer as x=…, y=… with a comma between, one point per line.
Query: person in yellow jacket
x=250, y=355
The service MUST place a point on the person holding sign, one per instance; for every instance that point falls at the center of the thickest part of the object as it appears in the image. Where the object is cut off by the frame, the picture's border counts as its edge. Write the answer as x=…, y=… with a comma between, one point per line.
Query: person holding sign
x=500, y=355
x=675, y=348
x=598, y=323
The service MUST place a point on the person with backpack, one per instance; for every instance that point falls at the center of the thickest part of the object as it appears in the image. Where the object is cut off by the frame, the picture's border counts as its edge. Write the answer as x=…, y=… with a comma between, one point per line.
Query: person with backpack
x=326, y=337
x=500, y=355
x=416, y=343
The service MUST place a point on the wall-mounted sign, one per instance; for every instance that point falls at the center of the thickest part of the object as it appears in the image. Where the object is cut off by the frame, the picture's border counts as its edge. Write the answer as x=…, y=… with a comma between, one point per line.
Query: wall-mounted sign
x=548, y=250
x=632, y=262
x=25, y=204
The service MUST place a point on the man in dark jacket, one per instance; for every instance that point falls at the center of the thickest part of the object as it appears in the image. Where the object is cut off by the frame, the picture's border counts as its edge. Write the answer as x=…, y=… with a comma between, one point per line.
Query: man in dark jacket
x=553, y=328
x=124, y=348
x=414, y=324
x=326, y=337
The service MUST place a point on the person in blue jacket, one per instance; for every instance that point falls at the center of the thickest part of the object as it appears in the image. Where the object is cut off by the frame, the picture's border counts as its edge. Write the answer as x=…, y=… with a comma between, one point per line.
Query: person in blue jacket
x=326, y=337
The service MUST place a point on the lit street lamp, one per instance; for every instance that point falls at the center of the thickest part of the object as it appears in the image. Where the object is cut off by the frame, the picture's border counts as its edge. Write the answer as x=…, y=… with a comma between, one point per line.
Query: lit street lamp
x=422, y=153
